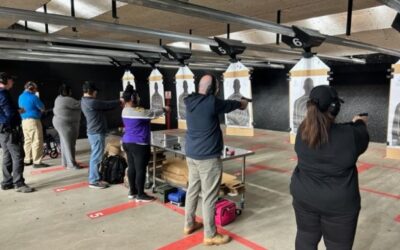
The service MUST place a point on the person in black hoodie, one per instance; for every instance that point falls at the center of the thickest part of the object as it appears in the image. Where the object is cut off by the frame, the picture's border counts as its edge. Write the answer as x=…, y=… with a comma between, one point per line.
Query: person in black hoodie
x=324, y=186
x=204, y=145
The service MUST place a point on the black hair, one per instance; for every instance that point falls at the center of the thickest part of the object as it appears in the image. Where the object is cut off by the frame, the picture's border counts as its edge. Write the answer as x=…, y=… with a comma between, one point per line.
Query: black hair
x=130, y=94
x=65, y=90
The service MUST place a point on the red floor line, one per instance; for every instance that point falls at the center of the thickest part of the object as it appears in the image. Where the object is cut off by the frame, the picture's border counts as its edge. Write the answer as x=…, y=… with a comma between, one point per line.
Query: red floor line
x=47, y=170
x=397, y=218
x=114, y=209
x=392, y=168
x=53, y=169
x=255, y=168
x=394, y=196
x=185, y=243
x=71, y=187
x=241, y=240
x=364, y=167
x=234, y=236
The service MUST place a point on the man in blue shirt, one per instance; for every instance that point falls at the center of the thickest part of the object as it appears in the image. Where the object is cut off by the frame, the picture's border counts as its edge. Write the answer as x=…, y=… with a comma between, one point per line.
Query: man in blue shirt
x=10, y=131
x=32, y=126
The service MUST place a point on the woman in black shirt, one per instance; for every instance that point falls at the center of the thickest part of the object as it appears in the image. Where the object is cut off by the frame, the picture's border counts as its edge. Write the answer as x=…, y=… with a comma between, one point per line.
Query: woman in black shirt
x=324, y=185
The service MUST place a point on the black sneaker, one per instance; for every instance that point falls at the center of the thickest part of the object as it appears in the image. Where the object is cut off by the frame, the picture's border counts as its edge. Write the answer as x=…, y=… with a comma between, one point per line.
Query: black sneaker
x=144, y=198
x=28, y=163
x=24, y=189
x=41, y=165
x=7, y=186
x=99, y=185
x=132, y=195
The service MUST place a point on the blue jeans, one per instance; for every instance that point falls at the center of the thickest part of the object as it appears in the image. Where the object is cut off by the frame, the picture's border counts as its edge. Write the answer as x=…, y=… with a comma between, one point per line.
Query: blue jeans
x=97, y=144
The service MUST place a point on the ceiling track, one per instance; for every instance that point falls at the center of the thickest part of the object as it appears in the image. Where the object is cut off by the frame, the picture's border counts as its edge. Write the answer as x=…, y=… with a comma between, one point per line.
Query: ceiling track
x=112, y=27
x=189, y=9
x=394, y=4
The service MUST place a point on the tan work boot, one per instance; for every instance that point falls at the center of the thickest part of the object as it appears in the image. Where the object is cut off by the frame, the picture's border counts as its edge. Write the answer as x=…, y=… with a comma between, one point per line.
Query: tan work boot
x=189, y=230
x=218, y=239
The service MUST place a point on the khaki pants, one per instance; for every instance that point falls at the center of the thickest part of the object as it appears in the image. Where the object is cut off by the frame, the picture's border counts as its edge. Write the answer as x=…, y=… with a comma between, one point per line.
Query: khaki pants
x=204, y=178
x=33, y=140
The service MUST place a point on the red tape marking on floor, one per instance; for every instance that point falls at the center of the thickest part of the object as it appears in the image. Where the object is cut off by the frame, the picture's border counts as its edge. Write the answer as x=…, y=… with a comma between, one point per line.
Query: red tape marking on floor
x=114, y=209
x=235, y=237
x=255, y=168
x=294, y=158
x=71, y=187
x=397, y=218
x=241, y=240
x=185, y=243
x=364, y=167
x=394, y=196
x=53, y=169
x=47, y=170
x=392, y=168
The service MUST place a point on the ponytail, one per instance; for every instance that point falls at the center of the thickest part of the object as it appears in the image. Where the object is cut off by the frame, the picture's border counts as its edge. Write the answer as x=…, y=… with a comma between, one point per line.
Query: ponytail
x=315, y=127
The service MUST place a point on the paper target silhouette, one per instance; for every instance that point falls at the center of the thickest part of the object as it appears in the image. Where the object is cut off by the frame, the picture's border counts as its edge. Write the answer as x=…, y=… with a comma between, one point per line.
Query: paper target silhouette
x=304, y=76
x=184, y=86
x=237, y=84
x=157, y=100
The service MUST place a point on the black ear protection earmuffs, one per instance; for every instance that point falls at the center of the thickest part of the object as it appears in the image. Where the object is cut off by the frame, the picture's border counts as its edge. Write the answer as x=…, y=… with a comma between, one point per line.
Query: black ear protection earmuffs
x=213, y=89
x=30, y=86
x=334, y=107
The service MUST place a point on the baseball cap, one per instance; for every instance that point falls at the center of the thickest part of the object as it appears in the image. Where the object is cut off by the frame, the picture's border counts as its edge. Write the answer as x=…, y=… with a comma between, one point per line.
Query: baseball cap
x=323, y=96
x=89, y=86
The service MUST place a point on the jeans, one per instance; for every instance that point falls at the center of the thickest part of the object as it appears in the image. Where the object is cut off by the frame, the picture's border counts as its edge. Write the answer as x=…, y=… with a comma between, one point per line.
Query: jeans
x=13, y=159
x=138, y=159
x=205, y=178
x=338, y=230
x=97, y=144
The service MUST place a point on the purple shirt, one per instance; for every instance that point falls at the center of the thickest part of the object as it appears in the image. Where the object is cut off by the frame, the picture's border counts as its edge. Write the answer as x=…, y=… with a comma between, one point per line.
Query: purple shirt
x=137, y=124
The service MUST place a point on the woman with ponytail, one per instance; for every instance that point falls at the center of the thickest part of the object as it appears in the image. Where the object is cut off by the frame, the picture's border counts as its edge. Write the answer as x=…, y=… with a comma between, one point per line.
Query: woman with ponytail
x=324, y=186
x=136, y=142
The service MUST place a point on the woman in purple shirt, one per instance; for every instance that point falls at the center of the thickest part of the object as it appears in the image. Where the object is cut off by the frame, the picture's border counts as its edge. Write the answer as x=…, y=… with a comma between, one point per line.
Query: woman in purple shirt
x=136, y=142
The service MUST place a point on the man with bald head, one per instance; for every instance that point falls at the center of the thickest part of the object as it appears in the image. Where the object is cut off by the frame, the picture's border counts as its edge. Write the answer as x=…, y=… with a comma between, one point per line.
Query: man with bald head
x=204, y=146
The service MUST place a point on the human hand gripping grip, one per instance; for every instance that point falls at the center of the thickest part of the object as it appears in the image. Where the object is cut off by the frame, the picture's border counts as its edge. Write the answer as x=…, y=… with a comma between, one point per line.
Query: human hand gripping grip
x=362, y=116
x=244, y=102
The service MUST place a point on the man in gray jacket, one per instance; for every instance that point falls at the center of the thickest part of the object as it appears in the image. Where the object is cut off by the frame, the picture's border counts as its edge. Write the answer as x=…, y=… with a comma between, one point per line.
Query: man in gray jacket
x=93, y=110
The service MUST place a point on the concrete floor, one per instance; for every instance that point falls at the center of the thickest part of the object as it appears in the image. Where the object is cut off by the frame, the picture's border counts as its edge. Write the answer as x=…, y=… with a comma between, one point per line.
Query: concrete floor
x=59, y=220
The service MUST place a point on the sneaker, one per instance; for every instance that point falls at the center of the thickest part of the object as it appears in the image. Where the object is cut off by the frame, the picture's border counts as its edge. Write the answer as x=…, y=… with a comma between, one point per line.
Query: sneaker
x=41, y=165
x=132, y=195
x=28, y=163
x=99, y=185
x=144, y=198
x=218, y=239
x=196, y=226
x=7, y=186
x=24, y=189
x=75, y=167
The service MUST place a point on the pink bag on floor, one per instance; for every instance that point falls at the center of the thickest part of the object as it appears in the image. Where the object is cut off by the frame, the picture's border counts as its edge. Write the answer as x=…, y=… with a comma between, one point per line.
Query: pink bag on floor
x=225, y=212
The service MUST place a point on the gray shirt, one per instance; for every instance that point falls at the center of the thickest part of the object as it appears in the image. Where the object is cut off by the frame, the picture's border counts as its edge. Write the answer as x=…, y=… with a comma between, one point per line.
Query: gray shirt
x=67, y=109
x=93, y=110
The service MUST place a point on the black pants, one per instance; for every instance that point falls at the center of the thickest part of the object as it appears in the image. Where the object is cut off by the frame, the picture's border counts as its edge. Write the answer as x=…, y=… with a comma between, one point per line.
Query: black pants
x=338, y=230
x=13, y=159
x=138, y=159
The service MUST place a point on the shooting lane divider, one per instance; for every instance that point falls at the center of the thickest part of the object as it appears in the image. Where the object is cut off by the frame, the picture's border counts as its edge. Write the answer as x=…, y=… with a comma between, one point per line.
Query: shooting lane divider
x=306, y=74
x=71, y=187
x=393, y=128
x=53, y=169
x=362, y=167
x=115, y=209
x=397, y=219
x=384, y=194
x=156, y=93
x=235, y=237
x=237, y=84
x=184, y=86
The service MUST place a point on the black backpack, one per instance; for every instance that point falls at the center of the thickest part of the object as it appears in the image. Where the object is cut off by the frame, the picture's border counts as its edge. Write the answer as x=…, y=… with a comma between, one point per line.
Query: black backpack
x=112, y=169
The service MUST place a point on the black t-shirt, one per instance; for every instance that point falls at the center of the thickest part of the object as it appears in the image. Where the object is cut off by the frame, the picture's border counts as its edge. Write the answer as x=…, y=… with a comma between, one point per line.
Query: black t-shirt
x=326, y=178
